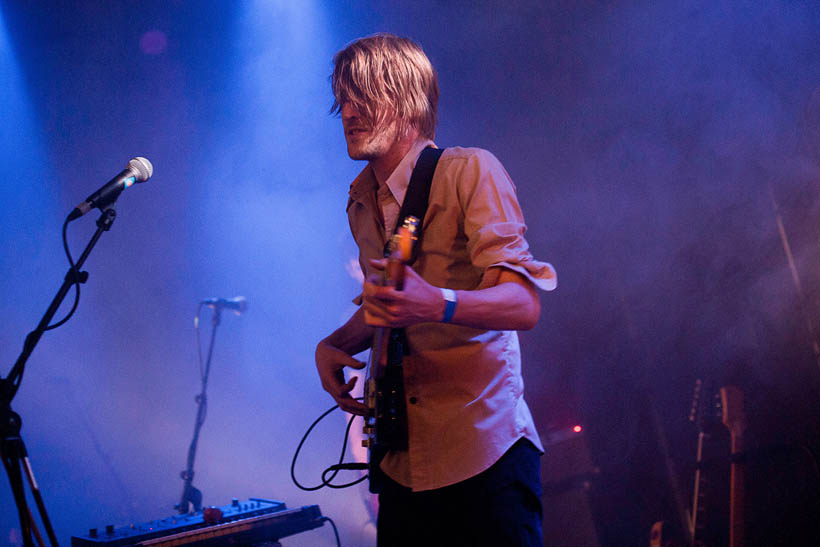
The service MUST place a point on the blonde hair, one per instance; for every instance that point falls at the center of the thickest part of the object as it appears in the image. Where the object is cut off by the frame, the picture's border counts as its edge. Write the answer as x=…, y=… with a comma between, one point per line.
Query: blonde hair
x=384, y=75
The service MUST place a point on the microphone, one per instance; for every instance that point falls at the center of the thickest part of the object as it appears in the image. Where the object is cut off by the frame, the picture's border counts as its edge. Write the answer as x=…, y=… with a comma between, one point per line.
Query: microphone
x=238, y=304
x=138, y=170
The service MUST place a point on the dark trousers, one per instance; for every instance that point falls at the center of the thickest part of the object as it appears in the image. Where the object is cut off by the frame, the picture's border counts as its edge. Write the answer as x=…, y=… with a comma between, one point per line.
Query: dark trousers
x=500, y=506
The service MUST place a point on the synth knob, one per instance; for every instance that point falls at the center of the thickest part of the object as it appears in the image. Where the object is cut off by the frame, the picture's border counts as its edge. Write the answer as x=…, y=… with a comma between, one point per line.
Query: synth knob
x=109, y=529
x=368, y=430
x=234, y=502
x=366, y=443
x=212, y=515
x=92, y=533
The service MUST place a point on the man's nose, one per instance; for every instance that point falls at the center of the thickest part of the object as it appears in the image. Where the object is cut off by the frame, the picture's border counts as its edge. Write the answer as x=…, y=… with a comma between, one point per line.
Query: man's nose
x=349, y=112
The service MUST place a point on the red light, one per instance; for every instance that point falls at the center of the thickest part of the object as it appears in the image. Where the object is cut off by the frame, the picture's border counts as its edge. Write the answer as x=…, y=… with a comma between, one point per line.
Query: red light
x=577, y=429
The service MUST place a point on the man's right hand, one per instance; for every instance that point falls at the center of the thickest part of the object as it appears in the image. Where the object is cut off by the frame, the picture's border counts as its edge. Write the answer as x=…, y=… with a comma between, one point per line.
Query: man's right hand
x=331, y=361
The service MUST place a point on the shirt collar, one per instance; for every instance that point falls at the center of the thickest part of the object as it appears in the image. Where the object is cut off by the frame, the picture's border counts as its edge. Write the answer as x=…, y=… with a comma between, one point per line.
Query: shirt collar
x=399, y=179
x=363, y=184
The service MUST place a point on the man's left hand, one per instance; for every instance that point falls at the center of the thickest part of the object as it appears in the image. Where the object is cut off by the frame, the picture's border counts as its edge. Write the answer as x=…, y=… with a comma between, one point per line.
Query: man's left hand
x=418, y=302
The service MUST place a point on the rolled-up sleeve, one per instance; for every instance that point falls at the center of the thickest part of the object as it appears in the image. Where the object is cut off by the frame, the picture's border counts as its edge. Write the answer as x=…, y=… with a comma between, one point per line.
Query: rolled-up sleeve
x=494, y=224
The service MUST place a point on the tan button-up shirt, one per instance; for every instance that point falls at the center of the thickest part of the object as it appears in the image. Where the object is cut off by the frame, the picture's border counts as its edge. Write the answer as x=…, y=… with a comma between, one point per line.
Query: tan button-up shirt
x=465, y=404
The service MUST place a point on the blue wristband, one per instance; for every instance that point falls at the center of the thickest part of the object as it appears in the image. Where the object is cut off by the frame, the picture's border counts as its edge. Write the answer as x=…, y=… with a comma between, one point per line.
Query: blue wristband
x=450, y=304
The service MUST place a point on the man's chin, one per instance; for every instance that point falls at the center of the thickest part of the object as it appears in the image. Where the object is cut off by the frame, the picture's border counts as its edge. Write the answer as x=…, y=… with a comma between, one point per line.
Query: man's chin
x=359, y=154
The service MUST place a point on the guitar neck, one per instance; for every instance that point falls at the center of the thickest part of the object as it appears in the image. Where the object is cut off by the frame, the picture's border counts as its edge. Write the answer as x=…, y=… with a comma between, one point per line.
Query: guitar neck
x=394, y=274
x=734, y=419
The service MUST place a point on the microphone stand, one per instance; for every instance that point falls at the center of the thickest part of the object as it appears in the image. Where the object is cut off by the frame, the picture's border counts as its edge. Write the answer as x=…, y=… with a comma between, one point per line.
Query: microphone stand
x=191, y=496
x=12, y=448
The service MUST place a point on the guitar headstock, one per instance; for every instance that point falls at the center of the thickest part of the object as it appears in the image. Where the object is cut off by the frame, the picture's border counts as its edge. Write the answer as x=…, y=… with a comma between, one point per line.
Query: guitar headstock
x=400, y=251
x=734, y=416
x=705, y=411
x=403, y=241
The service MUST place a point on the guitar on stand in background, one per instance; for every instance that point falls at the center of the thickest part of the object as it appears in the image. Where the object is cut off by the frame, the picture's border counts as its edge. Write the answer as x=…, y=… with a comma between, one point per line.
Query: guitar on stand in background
x=385, y=425
x=703, y=414
x=707, y=515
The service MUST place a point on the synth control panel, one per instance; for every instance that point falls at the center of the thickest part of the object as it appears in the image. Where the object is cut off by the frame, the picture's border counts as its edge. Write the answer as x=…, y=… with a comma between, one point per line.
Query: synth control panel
x=260, y=514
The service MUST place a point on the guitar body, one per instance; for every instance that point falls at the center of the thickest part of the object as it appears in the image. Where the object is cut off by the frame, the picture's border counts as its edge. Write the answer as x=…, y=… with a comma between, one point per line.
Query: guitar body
x=385, y=426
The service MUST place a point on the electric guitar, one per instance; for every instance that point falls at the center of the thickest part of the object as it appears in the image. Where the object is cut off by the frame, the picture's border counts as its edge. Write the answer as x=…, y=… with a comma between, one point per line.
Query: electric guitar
x=385, y=425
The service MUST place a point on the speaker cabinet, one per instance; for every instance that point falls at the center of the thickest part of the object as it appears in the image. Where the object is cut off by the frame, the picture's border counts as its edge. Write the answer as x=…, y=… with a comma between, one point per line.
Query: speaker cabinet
x=566, y=475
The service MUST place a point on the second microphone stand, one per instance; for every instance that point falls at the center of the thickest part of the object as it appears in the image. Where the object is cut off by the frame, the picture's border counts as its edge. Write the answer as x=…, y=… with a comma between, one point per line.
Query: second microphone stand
x=191, y=496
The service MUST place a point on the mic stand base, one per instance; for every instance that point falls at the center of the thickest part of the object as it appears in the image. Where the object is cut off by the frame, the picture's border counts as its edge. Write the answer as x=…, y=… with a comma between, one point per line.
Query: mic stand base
x=14, y=455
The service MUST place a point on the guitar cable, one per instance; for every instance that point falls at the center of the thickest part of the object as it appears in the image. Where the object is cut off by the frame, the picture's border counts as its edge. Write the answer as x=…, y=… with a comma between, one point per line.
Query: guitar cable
x=333, y=469
x=77, y=279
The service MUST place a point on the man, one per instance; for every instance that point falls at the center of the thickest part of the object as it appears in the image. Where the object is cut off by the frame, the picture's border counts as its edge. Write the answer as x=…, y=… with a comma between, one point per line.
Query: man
x=471, y=473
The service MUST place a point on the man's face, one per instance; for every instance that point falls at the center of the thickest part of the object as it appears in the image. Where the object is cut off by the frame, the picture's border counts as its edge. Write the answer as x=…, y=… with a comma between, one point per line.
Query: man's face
x=363, y=141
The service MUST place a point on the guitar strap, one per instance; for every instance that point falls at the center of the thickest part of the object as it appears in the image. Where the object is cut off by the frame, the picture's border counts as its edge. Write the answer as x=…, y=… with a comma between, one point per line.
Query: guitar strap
x=415, y=204
x=417, y=196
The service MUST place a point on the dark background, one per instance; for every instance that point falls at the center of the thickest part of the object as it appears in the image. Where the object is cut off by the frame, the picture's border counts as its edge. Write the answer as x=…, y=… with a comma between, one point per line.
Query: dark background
x=666, y=155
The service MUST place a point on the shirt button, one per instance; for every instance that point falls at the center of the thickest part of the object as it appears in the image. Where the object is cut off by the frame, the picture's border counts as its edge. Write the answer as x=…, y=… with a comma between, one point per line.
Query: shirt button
x=413, y=400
